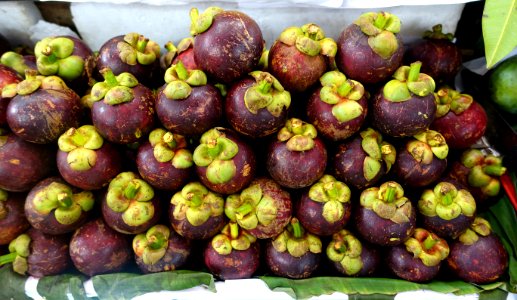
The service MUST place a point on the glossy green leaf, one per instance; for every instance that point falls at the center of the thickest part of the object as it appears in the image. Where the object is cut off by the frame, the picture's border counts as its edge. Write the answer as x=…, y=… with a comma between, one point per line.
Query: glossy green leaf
x=495, y=294
x=499, y=24
x=62, y=287
x=12, y=285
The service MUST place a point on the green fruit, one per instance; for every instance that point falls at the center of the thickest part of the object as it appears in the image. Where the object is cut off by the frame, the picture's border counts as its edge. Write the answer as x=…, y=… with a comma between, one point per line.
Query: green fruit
x=503, y=85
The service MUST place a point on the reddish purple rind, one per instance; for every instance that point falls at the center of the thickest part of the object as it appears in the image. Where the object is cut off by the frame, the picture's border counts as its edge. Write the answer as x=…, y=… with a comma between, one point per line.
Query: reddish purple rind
x=192, y=116
x=371, y=259
x=283, y=165
x=483, y=262
x=28, y=161
x=295, y=70
x=48, y=223
x=460, y=173
x=187, y=59
x=14, y=223
x=255, y=125
x=417, y=174
x=42, y=116
x=49, y=254
x=7, y=76
x=230, y=48
x=380, y=231
x=310, y=215
x=406, y=266
x=95, y=249
x=285, y=265
x=446, y=228
x=208, y=229
x=239, y=264
x=127, y=122
x=357, y=60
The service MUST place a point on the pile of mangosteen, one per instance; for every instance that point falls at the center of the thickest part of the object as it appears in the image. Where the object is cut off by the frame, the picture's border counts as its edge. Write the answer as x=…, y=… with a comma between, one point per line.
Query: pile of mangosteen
x=353, y=155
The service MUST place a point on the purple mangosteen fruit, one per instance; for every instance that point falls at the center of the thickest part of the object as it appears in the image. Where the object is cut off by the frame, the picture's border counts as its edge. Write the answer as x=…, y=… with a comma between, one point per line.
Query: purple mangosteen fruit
x=7, y=77
x=12, y=216
x=184, y=52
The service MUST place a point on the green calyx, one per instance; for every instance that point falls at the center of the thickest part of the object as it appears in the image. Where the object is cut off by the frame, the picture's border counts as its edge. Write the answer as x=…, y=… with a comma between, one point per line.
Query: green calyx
x=81, y=144
x=437, y=34
x=381, y=29
x=32, y=83
x=377, y=151
x=137, y=49
x=426, y=145
x=169, y=147
x=200, y=23
x=334, y=194
x=266, y=93
x=428, y=247
x=196, y=204
x=485, y=170
x=180, y=81
x=232, y=237
x=152, y=245
x=346, y=249
x=408, y=81
x=54, y=56
x=480, y=227
x=446, y=202
x=388, y=202
x=309, y=39
x=296, y=241
x=15, y=61
x=19, y=251
x=3, y=198
x=342, y=94
x=448, y=99
x=131, y=196
x=298, y=135
x=114, y=89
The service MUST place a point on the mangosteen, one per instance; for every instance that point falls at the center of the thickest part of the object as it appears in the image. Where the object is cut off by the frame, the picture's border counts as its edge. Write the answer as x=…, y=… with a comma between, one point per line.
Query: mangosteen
x=54, y=207
x=461, y=120
x=19, y=62
x=7, y=77
x=224, y=162
x=338, y=108
x=294, y=253
x=160, y=249
x=370, y=49
x=385, y=217
x=187, y=104
x=257, y=105
x=164, y=160
x=197, y=213
x=405, y=106
x=95, y=249
x=296, y=145
x=12, y=216
x=351, y=257
x=130, y=204
x=419, y=258
x=478, y=255
x=325, y=208
x=364, y=159
x=38, y=254
x=263, y=208
x=232, y=254
x=300, y=56
x=122, y=96
x=227, y=44
x=184, y=52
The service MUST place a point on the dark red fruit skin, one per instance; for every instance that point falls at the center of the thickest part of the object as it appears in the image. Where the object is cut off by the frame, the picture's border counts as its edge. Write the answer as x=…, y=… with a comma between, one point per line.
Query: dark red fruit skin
x=192, y=116
x=285, y=265
x=283, y=165
x=187, y=59
x=211, y=227
x=404, y=265
x=41, y=117
x=107, y=166
x=295, y=70
x=357, y=60
x=7, y=76
x=239, y=264
x=460, y=173
x=49, y=254
x=48, y=223
x=14, y=223
x=380, y=231
x=483, y=262
x=161, y=175
x=261, y=124
x=417, y=174
x=113, y=123
x=320, y=115
x=239, y=43
x=95, y=249
x=463, y=130
x=446, y=228
x=371, y=258
x=310, y=214
x=27, y=161
x=177, y=253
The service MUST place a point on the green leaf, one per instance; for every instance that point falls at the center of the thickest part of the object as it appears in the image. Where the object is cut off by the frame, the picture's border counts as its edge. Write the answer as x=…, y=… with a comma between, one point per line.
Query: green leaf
x=12, y=285
x=62, y=286
x=499, y=24
x=495, y=294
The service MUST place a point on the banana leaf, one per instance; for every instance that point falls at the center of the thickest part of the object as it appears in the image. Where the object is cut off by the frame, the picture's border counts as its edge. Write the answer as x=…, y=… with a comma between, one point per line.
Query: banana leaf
x=60, y=287
x=12, y=285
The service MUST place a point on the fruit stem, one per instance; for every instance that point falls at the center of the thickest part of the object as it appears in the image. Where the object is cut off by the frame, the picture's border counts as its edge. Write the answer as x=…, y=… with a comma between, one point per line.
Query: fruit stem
x=181, y=71
x=64, y=200
x=109, y=77
x=131, y=190
x=234, y=230
x=297, y=228
x=169, y=46
x=414, y=71
x=390, y=194
x=264, y=86
x=156, y=241
x=494, y=170
x=168, y=138
x=447, y=199
x=8, y=258
x=244, y=209
x=380, y=21
x=340, y=246
x=429, y=242
x=141, y=43
x=344, y=89
x=49, y=54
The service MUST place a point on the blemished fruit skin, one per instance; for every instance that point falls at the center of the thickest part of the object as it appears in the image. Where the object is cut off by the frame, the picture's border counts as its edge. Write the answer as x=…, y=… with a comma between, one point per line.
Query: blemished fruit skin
x=503, y=84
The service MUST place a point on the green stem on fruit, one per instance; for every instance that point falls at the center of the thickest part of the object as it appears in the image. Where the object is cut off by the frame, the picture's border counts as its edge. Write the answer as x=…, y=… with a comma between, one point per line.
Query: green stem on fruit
x=168, y=138
x=494, y=170
x=195, y=200
x=181, y=71
x=65, y=200
x=141, y=44
x=244, y=209
x=447, y=199
x=340, y=247
x=344, y=89
x=8, y=258
x=51, y=56
x=234, y=230
x=264, y=86
x=109, y=77
x=169, y=46
x=156, y=241
x=390, y=194
x=414, y=71
x=297, y=228
x=429, y=242
x=380, y=21
x=131, y=190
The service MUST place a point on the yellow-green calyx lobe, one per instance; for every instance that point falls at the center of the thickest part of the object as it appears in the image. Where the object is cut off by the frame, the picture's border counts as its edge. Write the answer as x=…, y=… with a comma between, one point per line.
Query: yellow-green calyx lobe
x=169, y=147
x=378, y=151
x=426, y=145
x=334, y=194
x=381, y=29
x=342, y=94
x=19, y=250
x=152, y=245
x=15, y=61
x=200, y=23
x=446, y=202
x=428, y=247
x=485, y=170
x=180, y=81
x=437, y=34
x=80, y=144
x=407, y=82
x=346, y=249
x=131, y=196
x=232, y=237
x=58, y=198
x=448, y=99
x=298, y=135
x=3, y=198
x=196, y=204
x=266, y=93
x=309, y=39
x=388, y=202
x=216, y=153
x=137, y=49
x=480, y=227
x=296, y=241
x=32, y=83
x=54, y=56
x=114, y=89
